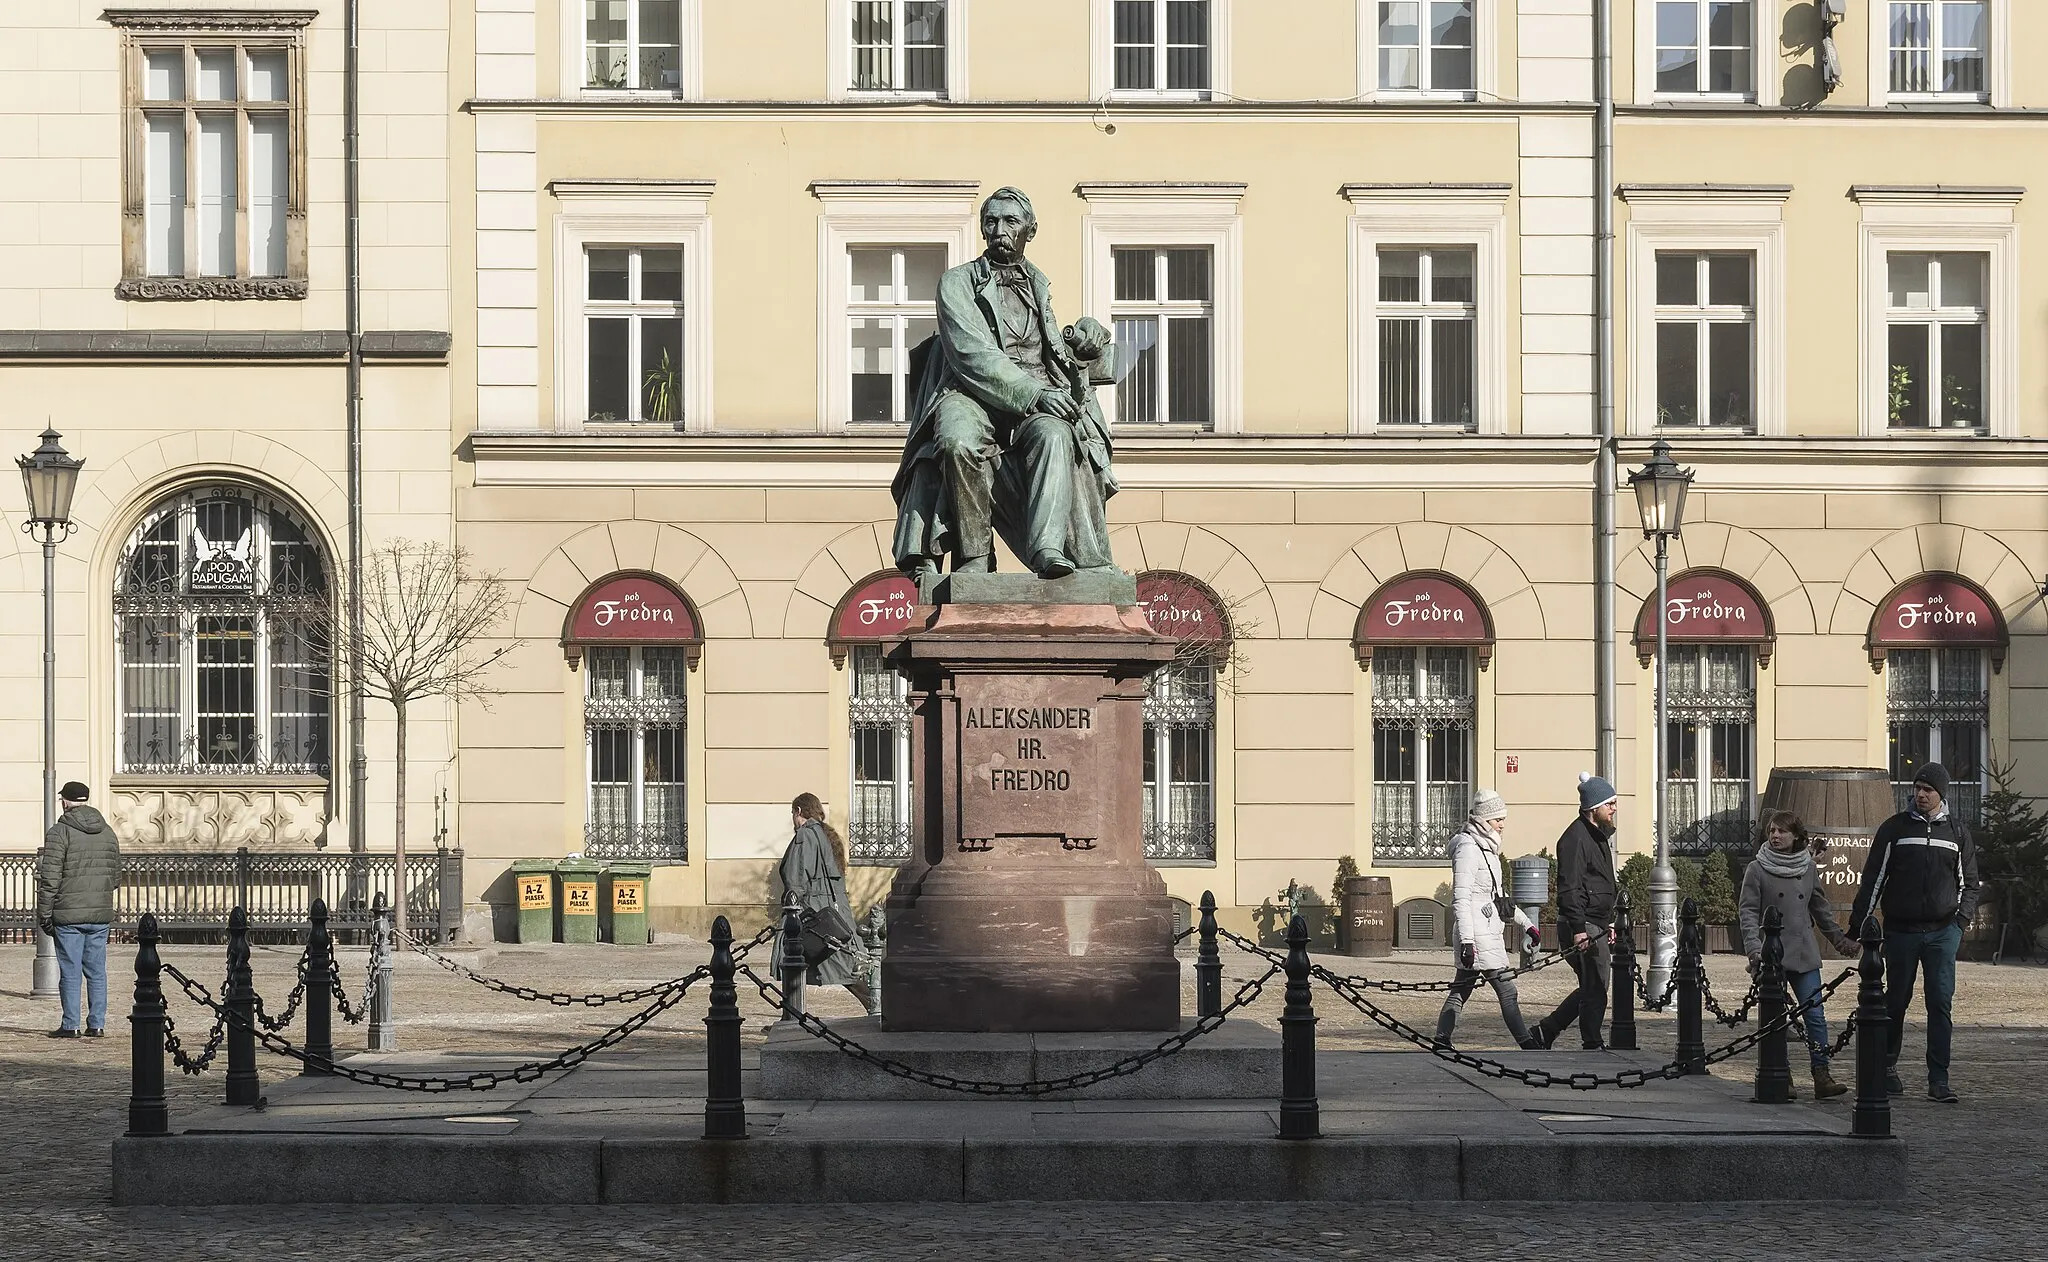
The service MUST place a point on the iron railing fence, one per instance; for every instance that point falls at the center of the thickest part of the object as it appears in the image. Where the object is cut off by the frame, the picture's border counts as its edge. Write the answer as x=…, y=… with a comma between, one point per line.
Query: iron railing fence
x=192, y=892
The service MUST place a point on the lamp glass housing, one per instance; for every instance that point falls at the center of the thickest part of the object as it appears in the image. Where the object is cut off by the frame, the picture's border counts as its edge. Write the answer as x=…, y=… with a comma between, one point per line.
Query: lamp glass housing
x=50, y=476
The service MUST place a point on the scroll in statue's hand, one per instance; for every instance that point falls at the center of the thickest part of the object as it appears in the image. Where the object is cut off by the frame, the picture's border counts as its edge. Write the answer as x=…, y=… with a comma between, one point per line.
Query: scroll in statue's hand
x=1087, y=338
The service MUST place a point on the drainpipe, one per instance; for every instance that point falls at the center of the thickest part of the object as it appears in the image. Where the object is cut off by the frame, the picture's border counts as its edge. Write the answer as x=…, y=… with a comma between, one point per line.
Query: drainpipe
x=1603, y=359
x=351, y=145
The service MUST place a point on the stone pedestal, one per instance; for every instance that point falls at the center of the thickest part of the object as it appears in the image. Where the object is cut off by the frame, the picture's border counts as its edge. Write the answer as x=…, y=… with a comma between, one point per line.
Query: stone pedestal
x=1027, y=904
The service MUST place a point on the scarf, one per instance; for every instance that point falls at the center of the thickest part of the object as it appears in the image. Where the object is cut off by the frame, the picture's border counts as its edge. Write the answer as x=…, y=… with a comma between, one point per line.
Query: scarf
x=1482, y=832
x=1791, y=865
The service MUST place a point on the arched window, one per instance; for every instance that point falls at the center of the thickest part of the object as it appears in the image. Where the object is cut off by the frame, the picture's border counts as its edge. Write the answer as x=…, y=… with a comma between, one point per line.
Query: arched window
x=877, y=718
x=222, y=614
x=1939, y=638
x=1180, y=719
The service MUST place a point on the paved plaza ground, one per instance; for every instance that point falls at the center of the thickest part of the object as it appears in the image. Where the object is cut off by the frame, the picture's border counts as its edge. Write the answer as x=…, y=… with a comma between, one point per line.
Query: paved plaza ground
x=1980, y=1167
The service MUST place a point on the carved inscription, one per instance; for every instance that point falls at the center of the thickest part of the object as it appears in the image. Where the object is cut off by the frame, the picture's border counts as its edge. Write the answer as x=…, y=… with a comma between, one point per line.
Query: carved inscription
x=1024, y=774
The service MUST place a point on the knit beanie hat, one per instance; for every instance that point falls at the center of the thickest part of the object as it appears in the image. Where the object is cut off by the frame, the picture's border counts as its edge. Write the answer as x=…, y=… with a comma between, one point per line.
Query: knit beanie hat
x=1488, y=806
x=1594, y=792
x=1935, y=777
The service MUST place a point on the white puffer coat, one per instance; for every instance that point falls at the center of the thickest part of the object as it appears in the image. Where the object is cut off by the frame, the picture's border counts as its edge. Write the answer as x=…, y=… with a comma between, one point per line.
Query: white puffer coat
x=1475, y=883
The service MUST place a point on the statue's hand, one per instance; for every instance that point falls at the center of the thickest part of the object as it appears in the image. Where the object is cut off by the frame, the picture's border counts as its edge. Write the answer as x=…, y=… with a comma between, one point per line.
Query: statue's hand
x=1056, y=402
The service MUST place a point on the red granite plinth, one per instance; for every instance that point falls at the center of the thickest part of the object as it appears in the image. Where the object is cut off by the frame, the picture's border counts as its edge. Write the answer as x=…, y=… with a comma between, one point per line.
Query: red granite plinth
x=1027, y=904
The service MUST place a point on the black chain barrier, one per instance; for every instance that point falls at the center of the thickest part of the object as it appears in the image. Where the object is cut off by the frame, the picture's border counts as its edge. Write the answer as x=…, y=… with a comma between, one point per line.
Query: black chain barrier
x=1038, y=1087
x=560, y=1000
x=1742, y=1010
x=484, y=1080
x=1662, y=1001
x=1384, y=985
x=359, y=1012
x=291, y=1002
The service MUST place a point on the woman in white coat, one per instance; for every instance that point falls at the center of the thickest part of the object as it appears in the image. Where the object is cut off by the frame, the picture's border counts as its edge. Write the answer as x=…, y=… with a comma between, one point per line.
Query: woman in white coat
x=1480, y=910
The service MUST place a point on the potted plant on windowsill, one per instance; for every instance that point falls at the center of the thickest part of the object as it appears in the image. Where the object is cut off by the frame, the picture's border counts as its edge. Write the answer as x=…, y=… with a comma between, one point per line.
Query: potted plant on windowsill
x=663, y=406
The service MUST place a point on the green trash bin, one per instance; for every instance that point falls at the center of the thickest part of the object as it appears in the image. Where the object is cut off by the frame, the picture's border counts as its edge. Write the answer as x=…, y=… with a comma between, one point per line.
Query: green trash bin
x=625, y=903
x=535, y=881
x=576, y=900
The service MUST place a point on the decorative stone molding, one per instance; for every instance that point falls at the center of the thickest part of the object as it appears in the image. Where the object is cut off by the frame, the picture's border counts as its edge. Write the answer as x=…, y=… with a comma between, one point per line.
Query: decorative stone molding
x=209, y=19
x=197, y=815
x=210, y=289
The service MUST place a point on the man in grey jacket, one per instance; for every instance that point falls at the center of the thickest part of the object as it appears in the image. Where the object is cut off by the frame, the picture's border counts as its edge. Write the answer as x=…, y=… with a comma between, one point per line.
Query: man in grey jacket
x=75, y=880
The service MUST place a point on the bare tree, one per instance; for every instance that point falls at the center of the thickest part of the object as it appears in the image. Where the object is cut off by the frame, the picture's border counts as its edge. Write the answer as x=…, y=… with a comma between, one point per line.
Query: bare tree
x=426, y=613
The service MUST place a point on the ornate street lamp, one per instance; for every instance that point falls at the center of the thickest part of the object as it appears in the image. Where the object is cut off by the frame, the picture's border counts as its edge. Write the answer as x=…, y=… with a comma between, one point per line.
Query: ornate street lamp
x=1660, y=498
x=50, y=475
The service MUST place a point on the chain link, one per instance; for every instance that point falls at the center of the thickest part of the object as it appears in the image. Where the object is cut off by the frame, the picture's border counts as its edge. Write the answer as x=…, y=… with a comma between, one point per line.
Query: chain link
x=1037, y=1087
x=560, y=1000
x=1742, y=1010
x=291, y=1002
x=354, y=1014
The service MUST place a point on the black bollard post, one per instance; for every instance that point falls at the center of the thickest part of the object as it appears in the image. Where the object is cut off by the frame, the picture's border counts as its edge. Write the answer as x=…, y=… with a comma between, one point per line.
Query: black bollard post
x=243, y=1087
x=790, y=967
x=1299, y=1116
x=1208, y=962
x=1621, y=1033
x=319, y=996
x=725, y=1110
x=1773, y=1064
x=1872, y=1116
x=1692, y=1044
x=148, y=1113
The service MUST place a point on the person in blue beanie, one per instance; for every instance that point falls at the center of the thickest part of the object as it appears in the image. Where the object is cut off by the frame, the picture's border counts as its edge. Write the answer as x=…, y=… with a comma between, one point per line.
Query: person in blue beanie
x=1585, y=913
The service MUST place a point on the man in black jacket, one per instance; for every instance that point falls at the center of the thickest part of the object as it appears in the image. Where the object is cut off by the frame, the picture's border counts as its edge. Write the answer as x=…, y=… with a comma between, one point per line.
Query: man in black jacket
x=1922, y=873
x=1585, y=913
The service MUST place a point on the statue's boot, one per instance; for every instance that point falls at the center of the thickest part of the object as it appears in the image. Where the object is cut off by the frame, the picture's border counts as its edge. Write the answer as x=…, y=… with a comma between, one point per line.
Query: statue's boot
x=1052, y=565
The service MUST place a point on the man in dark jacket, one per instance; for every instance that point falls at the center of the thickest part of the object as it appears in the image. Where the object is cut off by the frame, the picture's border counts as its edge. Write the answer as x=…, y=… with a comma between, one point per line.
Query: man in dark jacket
x=1922, y=873
x=75, y=880
x=1585, y=913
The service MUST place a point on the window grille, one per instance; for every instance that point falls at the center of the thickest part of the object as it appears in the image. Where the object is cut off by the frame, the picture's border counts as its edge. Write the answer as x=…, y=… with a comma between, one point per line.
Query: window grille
x=878, y=713
x=1180, y=762
x=636, y=727
x=1938, y=709
x=1424, y=717
x=1709, y=743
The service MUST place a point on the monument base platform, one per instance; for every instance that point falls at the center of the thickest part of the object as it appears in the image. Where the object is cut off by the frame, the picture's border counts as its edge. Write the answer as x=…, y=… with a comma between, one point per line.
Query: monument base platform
x=1236, y=1062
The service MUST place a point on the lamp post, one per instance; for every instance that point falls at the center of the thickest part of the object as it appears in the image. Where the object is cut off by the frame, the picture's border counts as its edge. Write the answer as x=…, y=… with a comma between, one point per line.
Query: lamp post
x=1660, y=499
x=50, y=475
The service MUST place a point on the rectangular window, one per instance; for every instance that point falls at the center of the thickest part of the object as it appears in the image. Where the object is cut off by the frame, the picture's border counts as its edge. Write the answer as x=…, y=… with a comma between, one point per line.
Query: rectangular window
x=879, y=727
x=1163, y=314
x=1161, y=45
x=215, y=131
x=1424, y=716
x=1426, y=46
x=1937, y=338
x=633, y=329
x=1427, y=312
x=1940, y=47
x=1938, y=709
x=1706, y=339
x=635, y=723
x=899, y=46
x=1180, y=762
x=892, y=307
x=1705, y=47
x=633, y=45
x=1709, y=743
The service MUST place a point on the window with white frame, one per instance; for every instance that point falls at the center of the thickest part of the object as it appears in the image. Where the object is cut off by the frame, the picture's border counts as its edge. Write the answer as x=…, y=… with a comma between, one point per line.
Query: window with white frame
x=1163, y=312
x=635, y=729
x=1936, y=337
x=1939, y=48
x=1706, y=338
x=633, y=334
x=1426, y=46
x=1709, y=747
x=1180, y=762
x=1705, y=47
x=1428, y=310
x=1161, y=46
x=221, y=615
x=891, y=307
x=214, y=160
x=1424, y=720
x=878, y=714
x=898, y=46
x=1938, y=709
x=633, y=45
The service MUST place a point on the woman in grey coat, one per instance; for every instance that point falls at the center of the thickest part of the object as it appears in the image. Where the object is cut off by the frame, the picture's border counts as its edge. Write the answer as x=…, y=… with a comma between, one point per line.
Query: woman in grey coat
x=1783, y=876
x=814, y=873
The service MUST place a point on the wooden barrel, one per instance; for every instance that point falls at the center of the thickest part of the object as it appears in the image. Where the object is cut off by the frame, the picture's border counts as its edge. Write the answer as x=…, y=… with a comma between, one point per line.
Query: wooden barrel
x=1369, y=915
x=1841, y=808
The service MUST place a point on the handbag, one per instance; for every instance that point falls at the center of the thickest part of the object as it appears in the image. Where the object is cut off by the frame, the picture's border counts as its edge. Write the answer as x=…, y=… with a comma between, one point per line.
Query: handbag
x=826, y=930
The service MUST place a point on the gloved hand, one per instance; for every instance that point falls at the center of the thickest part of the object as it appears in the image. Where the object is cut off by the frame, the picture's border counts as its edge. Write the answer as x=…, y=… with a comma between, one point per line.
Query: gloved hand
x=1535, y=940
x=1466, y=955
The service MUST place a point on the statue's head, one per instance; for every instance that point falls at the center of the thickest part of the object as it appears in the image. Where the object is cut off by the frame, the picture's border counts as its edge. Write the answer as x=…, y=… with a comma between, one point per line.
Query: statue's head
x=1007, y=224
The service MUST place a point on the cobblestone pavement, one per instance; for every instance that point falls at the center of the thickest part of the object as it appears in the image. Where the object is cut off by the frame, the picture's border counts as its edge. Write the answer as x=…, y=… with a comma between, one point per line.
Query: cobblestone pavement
x=1979, y=1167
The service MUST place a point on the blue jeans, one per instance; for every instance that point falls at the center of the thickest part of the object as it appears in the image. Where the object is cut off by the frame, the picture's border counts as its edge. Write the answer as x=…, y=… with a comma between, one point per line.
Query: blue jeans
x=1804, y=987
x=82, y=947
x=1934, y=954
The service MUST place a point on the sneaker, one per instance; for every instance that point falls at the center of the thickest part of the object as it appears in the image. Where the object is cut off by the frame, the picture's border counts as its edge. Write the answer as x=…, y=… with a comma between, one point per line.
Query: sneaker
x=1893, y=1084
x=94, y=1034
x=63, y=1034
x=1938, y=1091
